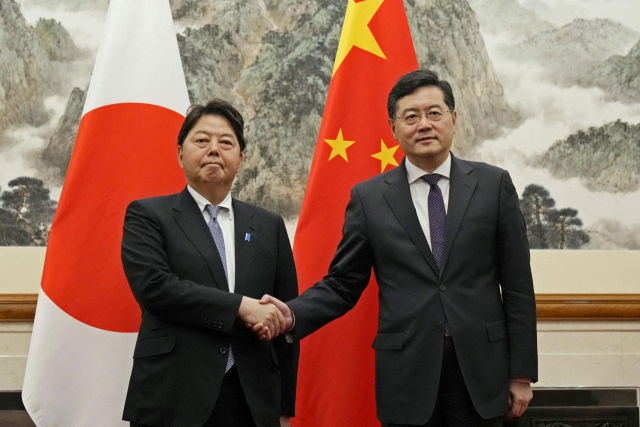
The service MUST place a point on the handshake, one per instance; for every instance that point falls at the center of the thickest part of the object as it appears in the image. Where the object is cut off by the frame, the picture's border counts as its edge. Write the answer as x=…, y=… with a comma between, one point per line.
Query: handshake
x=267, y=317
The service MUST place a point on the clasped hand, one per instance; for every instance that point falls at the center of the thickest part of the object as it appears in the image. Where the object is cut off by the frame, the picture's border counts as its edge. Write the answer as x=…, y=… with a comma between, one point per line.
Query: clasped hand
x=268, y=317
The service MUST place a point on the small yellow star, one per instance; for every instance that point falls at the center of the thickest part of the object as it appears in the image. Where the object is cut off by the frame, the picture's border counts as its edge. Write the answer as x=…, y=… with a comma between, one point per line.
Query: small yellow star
x=339, y=146
x=356, y=32
x=386, y=156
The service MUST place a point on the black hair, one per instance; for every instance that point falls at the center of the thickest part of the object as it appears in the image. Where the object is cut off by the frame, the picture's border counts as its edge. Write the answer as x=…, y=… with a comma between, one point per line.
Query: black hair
x=215, y=107
x=408, y=83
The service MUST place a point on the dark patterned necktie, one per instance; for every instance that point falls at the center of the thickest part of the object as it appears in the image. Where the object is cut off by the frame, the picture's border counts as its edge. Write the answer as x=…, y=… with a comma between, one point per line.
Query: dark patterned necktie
x=218, y=238
x=437, y=224
x=437, y=216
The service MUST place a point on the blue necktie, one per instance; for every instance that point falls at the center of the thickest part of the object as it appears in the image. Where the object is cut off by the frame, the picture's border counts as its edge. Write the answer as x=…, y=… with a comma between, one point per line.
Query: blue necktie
x=437, y=224
x=218, y=238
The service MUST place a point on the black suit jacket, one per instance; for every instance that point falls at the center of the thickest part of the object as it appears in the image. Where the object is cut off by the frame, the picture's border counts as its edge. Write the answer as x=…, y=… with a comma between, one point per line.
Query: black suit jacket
x=189, y=316
x=485, y=250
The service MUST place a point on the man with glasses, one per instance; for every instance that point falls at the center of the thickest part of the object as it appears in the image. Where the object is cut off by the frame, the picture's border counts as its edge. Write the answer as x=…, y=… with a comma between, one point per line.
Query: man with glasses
x=456, y=342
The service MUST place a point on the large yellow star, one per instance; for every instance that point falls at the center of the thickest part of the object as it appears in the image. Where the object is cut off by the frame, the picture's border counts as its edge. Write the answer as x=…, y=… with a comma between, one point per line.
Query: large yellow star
x=386, y=156
x=356, y=32
x=339, y=146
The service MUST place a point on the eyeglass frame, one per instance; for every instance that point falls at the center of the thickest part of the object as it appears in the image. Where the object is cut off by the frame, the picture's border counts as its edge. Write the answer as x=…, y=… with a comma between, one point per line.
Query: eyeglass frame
x=420, y=116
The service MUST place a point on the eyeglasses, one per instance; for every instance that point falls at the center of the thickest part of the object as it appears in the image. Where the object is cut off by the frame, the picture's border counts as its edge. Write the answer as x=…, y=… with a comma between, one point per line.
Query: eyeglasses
x=432, y=116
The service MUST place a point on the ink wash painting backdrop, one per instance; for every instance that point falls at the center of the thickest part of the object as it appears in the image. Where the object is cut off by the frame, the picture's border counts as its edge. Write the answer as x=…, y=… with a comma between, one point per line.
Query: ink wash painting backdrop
x=548, y=89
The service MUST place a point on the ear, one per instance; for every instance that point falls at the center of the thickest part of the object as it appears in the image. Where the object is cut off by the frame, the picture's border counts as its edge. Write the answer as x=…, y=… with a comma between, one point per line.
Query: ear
x=392, y=125
x=454, y=117
x=180, y=156
x=241, y=160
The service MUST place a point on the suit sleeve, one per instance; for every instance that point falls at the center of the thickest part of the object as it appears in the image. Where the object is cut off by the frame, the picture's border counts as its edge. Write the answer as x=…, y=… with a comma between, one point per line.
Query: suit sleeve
x=286, y=289
x=517, y=285
x=348, y=276
x=161, y=292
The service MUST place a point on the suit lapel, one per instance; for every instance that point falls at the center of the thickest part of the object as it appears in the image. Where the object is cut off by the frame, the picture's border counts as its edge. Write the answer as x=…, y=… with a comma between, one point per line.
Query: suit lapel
x=398, y=197
x=190, y=220
x=245, y=249
x=460, y=191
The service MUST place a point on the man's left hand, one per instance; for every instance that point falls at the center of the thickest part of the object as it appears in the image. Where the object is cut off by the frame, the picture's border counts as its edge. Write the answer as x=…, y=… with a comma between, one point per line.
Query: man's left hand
x=285, y=421
x=520, y=394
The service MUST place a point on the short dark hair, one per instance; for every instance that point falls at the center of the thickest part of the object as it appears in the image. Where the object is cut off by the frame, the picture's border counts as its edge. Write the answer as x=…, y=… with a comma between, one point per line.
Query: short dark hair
x=408, y=83
x=215, y=107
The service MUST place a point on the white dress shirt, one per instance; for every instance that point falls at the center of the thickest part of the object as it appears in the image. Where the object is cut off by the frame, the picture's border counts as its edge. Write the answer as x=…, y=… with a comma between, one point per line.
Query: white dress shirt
x=420, y=191
x=225, y=219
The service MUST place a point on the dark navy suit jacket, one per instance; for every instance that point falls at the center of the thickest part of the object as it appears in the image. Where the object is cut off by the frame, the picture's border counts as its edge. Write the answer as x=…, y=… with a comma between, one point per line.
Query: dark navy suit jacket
x=189, y=316
x=484, y=286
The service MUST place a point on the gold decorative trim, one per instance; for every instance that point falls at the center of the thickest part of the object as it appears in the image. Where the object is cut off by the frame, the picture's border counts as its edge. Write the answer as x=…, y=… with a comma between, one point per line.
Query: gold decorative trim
x=18, y=307
x=22, y=307
x=588, y=306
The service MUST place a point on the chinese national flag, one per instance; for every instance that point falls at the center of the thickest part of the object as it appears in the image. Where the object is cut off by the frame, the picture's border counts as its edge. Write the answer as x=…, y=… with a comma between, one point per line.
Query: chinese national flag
x=336, y=375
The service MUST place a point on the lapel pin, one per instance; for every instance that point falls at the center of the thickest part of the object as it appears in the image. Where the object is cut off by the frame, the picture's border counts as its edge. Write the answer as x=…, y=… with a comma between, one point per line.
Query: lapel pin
x=247, y=237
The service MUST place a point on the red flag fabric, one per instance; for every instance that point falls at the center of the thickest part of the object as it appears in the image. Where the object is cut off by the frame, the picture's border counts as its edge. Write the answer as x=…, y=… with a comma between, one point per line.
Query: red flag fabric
x=87, y=319
x=336, y=374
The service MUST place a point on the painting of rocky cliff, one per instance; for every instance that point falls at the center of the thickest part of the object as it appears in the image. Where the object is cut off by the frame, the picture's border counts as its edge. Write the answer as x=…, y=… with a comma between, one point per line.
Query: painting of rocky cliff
x=571, y=70
x=548, y=89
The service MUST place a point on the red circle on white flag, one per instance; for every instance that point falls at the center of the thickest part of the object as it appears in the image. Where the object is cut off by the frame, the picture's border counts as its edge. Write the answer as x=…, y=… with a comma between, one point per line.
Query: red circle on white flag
x=123, y=152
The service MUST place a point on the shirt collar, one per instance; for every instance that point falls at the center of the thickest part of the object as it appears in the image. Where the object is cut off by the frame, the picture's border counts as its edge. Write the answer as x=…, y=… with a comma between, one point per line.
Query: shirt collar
x=203, y=202
x=414, y=173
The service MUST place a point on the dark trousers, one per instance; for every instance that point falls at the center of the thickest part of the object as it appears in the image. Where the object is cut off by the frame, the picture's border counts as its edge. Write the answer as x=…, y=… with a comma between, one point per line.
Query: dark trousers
x=453, y=405
x=231, y=409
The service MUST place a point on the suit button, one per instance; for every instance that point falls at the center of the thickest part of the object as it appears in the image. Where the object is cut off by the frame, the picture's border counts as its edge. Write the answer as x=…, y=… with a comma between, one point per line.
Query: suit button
x=219, y=325
x=439, y=328
x=443, y=288
x=223, y=350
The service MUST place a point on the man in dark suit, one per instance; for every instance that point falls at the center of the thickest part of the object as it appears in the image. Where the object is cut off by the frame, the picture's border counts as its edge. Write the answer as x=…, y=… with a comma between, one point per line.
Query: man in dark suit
x=197, y=262
x=456, y=342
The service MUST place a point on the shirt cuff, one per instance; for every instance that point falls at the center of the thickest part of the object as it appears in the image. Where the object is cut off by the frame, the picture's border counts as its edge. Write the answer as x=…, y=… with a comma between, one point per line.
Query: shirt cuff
x=288, y=334
x=522, y=380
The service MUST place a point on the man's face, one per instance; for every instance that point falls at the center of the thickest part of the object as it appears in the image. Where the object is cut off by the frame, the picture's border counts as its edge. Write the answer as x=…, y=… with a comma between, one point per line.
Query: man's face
x=210, y=155
x=424, y=139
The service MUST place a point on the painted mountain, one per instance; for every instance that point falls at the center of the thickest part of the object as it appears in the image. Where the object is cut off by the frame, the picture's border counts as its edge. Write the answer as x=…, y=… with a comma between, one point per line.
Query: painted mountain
x=543, y=89
x=500, y=17
x=618, y=76
x=274, y=60
x=605, y=158
x=26, y=72
x=569, y=51
x=58, y=152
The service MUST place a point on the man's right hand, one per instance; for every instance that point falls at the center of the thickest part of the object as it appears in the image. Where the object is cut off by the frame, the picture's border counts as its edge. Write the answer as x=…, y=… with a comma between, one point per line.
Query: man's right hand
x=254, y=312
x=284, y=310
